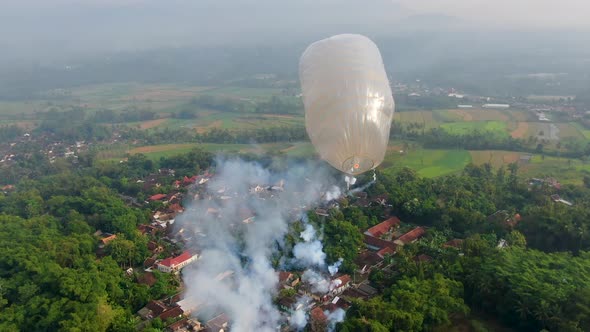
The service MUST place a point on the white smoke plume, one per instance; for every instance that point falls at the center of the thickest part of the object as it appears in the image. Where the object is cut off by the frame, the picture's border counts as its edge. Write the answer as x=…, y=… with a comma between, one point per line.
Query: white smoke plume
x=244, y=251
x=319, y=283
x=298, y=319
x=333, y=269
x=333, y=193
x=350, y=181
x=310, y=252
x=334, y=318
x=362, y=188
x=309, y=233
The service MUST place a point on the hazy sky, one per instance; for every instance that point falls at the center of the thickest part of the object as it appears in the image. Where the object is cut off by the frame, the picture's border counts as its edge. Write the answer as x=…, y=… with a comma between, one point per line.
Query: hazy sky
x=34, y=28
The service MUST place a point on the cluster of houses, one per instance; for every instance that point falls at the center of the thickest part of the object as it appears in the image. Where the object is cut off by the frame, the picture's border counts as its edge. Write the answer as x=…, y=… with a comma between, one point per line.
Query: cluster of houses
x=9, y=151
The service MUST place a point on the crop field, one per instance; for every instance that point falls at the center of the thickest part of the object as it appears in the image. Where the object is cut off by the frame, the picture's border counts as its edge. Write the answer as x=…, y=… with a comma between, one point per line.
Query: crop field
x=564, y=169
x=477, y=115
x=493, y=127
x=494, y=157
x=118, y=152
x=585, y=132
x=569, y=130
x=231, y=121
x=425, y=117
x=428, y=162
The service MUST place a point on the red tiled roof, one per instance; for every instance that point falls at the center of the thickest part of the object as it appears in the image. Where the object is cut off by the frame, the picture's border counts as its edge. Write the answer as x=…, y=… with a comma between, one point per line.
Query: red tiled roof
x=170, y=262
x=383, y=227
x=412, y=235
x=157, y=197
x=385, y=251
x=317, y=314
x=344, y=280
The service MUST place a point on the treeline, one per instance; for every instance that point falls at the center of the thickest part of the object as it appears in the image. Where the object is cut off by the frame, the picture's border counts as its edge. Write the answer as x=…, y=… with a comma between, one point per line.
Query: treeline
x=8, y=133
x=542, y=287
x=274, y=105
x=262, y=135
x=50, y=276
x=130, y=114
x=437, y=138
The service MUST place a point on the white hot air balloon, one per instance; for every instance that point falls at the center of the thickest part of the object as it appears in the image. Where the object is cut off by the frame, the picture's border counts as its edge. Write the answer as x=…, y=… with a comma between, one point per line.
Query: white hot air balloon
x=348, y=102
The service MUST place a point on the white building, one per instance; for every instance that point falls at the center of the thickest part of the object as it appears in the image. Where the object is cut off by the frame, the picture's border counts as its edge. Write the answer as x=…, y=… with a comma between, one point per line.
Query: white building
x=170, y=264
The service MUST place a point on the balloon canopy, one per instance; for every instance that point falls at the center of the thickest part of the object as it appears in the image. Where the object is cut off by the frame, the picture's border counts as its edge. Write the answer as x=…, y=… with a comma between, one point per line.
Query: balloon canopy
x=348, y=102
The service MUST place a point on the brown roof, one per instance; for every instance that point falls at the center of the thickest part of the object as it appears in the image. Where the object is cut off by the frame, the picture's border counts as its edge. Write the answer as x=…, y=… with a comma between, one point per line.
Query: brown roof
x=378, y=243
x=174, y=312
x=218, y=322
x=178, y=325
x=317, y=314
x=387, y=250
x=157, y=307
x=455, y=243
x=423, y=258
x=367, y=258
x=383, y=227
x=284, y=276
x=147, y=278
x=412, y=235
x=149, y=262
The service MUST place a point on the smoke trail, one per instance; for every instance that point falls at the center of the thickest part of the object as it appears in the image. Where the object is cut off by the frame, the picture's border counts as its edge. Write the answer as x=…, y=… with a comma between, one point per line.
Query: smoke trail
x=298, y=318
x=334, y=318
x=333, y=269
x=362, y=188
x=243, y=251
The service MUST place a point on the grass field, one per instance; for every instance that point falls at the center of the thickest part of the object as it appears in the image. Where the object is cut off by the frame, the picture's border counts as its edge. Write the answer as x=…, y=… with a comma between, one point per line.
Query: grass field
x=422, y=117
x=494, y=157
x=567, y=130
x=492, y=127
x=155, y=152
x=223, y=120
x=585, y=132
x=427, y=162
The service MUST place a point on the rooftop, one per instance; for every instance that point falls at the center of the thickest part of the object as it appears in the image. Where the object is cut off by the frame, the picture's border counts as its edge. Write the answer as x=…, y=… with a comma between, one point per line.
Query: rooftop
x=383, y=228
x=412, y=235
x=170, y=262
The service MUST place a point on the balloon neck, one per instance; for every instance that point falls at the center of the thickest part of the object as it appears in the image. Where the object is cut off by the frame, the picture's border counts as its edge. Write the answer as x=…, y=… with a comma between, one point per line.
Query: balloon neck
x=357, y=164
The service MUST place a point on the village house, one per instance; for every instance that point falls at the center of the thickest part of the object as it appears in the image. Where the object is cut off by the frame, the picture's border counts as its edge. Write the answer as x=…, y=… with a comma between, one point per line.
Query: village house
x=367, y=261
x=411, y=236
x=318, y=321
x=339, y=285
x=556, y=198
x=385, y=229
x=175, y=264
x=381, y=236
x=454, y=243
x=287, y=279
x=106, y=238
x=219, y=323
